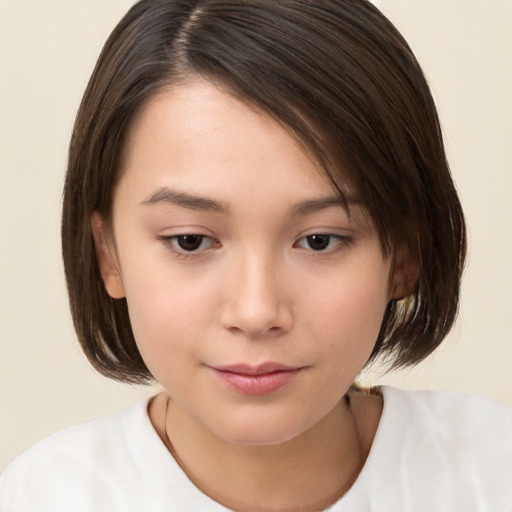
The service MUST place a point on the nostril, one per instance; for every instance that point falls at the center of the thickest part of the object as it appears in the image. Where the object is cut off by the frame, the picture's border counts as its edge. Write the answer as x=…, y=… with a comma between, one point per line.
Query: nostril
x=255, y=307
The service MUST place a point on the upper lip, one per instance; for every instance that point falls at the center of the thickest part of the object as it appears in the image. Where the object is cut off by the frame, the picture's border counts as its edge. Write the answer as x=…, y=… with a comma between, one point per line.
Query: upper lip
x=259, y=369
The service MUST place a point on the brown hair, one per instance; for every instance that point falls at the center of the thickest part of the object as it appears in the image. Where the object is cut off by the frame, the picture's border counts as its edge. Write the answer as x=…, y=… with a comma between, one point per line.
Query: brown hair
x=342, y=79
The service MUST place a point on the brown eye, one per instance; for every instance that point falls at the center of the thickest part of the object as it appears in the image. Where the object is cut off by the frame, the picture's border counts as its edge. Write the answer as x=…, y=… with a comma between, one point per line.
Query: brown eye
x=189, y=242
x=324, y=242
x=318, y=242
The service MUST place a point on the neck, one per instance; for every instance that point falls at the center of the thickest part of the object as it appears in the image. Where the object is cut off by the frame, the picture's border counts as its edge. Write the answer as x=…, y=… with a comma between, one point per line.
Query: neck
x=309, y=472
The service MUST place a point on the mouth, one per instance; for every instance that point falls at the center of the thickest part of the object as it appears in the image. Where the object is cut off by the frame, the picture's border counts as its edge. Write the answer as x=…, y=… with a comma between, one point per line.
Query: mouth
x=256, y=380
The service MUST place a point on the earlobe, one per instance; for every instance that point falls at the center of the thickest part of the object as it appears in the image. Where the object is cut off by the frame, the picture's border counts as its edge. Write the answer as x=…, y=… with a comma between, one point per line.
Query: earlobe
x=106, y=258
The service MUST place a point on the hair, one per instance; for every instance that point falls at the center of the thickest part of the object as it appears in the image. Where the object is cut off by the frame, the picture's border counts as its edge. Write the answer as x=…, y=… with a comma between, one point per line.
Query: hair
x=340, y=77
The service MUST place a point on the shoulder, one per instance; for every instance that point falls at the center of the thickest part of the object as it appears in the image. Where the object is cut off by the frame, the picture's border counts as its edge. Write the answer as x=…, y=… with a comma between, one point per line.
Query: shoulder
x=90, y=439
x=454, y=416
x=72, y=459
x=458, y=444
x=463, y=422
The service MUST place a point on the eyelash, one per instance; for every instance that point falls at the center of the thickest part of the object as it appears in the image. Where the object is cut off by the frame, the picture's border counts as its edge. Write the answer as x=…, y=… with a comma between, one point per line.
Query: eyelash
x=342, y=241
x=172, y=242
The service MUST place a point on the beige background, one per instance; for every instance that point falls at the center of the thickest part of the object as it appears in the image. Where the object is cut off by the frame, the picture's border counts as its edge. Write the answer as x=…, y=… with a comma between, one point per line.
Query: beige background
x=47, y=51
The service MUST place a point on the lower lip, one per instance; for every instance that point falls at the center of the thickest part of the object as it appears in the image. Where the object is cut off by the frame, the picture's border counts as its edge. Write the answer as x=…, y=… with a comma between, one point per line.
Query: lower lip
x=257, y=385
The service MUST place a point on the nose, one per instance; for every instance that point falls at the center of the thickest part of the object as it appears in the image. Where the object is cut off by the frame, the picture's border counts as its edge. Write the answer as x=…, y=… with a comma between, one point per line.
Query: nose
x=255, y=302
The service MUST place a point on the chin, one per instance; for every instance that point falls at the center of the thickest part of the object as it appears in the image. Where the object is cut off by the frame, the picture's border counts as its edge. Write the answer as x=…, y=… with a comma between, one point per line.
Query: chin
x=259, y=430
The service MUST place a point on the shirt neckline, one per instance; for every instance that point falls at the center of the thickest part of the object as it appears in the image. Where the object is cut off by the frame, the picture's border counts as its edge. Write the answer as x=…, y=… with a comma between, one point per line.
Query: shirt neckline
x=151, y=444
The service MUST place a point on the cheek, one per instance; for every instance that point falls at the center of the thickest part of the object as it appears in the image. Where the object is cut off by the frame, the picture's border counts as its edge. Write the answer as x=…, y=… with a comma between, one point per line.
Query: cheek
x=348, y=312
x=167, y=331
x=169, y=313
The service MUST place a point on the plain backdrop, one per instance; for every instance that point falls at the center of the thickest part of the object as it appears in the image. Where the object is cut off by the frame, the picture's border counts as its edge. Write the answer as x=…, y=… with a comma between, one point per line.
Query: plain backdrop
x=47, y=51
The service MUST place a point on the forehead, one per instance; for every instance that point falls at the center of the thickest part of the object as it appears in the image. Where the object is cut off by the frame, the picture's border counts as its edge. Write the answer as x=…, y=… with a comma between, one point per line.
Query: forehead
x=200, y=138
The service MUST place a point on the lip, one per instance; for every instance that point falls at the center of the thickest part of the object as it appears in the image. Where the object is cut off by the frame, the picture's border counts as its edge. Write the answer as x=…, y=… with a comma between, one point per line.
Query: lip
x=256, y=380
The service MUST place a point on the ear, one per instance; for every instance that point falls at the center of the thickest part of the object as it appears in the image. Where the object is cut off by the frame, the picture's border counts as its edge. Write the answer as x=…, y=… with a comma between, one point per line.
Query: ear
x=107, y=261
x=404, y=275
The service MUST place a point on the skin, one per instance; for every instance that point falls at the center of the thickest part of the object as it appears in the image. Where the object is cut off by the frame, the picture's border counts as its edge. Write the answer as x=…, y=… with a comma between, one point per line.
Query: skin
x=254, y=291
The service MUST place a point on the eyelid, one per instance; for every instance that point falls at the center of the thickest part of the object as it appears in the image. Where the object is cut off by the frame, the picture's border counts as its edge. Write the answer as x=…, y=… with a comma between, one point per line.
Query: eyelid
x=169, y=243
x=343, y=242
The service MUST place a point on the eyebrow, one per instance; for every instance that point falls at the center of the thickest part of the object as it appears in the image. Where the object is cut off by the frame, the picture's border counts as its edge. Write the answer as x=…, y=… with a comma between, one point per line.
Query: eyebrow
x=168, y=196
x=165, y=195
x=315, y=205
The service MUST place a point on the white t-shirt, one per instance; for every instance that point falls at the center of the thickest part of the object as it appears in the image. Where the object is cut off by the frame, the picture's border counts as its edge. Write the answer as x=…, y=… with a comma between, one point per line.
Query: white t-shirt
x=433, y=452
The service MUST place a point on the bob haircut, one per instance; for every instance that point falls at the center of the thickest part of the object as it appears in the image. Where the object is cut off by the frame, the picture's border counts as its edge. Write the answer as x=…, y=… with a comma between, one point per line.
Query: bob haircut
x=335, y=73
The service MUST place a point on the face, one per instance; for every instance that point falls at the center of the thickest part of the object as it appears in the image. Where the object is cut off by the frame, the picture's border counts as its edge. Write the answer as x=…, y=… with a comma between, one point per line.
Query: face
x=255, y=298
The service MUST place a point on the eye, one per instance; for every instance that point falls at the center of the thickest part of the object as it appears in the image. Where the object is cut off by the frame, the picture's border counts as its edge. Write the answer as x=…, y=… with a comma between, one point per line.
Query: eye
x=189, y=243
x=322, y=242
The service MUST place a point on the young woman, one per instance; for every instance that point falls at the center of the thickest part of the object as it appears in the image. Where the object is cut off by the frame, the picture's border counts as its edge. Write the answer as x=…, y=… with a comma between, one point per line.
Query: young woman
x=257, y=205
